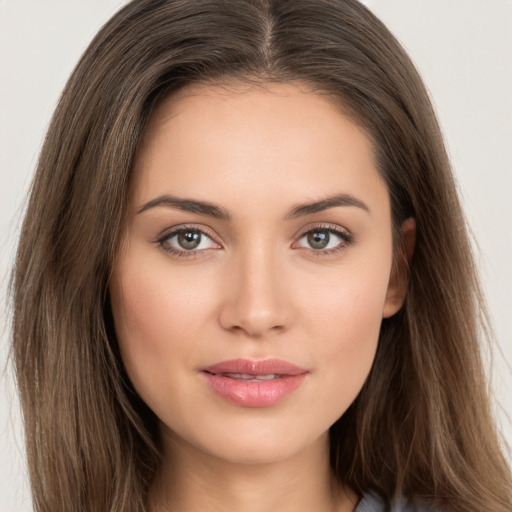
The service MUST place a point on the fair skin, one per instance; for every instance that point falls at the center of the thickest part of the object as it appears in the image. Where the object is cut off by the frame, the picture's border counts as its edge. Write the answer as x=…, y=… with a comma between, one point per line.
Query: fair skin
x=257, y=277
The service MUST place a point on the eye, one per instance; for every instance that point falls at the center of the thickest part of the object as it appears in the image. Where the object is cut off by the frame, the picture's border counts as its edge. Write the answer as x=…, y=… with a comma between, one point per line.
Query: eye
x=186, y=240
x=324, y=239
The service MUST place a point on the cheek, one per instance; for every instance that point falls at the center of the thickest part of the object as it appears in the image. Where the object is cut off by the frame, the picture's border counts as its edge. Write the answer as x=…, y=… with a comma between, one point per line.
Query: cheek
x=159, y=317
x=346, y=323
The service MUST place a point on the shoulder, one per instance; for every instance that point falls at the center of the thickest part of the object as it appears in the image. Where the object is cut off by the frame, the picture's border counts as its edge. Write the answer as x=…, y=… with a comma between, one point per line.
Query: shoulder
x=373, y=503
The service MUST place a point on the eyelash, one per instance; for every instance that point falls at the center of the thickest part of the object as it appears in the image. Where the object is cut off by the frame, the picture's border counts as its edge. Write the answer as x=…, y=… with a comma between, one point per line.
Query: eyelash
x=163, y=241
x=345, y=237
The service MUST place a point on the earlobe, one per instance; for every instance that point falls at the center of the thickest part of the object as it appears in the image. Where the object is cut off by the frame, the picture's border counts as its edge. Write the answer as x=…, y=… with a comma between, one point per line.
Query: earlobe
x=397, y=287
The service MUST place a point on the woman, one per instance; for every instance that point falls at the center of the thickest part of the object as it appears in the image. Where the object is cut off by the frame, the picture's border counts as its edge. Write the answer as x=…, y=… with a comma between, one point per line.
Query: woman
x=243, y=281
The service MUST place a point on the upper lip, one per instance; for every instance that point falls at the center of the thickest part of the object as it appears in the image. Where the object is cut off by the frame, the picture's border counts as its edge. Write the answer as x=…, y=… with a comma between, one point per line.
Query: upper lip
x=250, y=367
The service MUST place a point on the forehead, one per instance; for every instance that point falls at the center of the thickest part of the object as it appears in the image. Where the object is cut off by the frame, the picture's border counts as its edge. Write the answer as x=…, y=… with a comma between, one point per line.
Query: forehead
x=276, y=140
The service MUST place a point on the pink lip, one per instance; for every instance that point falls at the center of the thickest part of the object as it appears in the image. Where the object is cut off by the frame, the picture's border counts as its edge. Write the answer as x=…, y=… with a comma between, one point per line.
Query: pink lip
x=254, y=392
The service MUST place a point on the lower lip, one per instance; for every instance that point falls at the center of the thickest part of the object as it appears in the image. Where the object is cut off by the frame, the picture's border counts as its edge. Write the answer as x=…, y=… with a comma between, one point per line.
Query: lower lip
x=254, y=394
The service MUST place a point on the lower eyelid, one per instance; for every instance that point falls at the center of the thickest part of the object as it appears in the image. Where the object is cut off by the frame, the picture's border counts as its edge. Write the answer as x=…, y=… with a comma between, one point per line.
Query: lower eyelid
x=173, y=249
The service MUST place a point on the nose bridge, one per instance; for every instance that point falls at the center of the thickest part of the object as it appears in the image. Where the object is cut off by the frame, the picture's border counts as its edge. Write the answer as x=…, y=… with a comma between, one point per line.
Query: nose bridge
x=256, y=300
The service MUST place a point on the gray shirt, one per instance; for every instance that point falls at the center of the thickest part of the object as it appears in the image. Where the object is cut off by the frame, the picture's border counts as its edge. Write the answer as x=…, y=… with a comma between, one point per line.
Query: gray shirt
x=372, y=503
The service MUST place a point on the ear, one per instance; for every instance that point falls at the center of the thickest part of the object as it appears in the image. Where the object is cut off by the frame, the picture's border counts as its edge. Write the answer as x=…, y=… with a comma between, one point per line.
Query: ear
x=397, y=287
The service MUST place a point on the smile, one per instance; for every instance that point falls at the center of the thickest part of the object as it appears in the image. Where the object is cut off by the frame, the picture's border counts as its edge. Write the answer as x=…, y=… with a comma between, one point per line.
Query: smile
x=254, y=383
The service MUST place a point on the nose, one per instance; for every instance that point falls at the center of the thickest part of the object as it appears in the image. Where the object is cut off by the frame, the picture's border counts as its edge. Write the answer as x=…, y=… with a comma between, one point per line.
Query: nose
x=255, y=299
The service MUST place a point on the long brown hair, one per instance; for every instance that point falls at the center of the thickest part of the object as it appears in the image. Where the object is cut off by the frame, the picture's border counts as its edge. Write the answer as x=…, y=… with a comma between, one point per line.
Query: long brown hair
x=420, y=427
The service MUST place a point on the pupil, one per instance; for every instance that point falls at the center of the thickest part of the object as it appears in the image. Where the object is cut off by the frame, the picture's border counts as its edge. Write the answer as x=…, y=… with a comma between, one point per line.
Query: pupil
x=318, y=239
x=189, y=239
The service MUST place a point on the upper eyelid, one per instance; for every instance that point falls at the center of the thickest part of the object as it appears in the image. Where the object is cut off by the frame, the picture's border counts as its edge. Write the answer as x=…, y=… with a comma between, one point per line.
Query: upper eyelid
x=346, y=238
x=163, y=242
x=325, y=226
x=169, y=232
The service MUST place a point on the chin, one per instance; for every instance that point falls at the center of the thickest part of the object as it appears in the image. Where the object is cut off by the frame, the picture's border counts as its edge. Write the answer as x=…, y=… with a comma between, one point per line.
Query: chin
x=256, y=444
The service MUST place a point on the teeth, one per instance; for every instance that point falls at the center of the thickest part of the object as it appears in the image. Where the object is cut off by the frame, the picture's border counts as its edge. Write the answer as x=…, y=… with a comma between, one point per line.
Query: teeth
x=251, y=378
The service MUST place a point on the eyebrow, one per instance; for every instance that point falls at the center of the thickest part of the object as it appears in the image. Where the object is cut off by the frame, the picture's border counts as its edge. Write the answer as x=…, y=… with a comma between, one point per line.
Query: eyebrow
x=187, y=205
x=218, y=212
x=326, y=203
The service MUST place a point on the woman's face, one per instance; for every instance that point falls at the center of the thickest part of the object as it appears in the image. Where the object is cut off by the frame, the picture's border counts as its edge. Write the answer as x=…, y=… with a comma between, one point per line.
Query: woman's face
x=255, y=269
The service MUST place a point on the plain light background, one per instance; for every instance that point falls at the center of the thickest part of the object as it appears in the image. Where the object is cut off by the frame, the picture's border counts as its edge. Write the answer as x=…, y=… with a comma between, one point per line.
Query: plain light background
x=463, y=49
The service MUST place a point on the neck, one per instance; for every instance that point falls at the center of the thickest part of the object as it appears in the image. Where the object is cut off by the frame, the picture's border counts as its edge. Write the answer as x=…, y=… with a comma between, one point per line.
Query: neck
x=191, y=480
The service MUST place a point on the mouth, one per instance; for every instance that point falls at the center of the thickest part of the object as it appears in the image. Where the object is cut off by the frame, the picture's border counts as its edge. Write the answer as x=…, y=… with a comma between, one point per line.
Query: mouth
x=250, y=378
x=254, y=383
